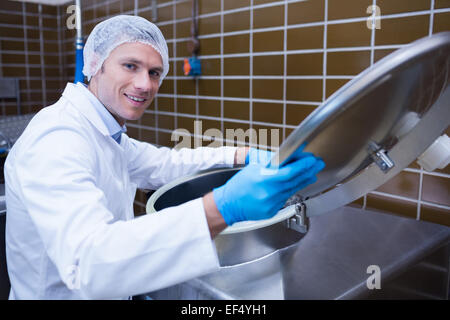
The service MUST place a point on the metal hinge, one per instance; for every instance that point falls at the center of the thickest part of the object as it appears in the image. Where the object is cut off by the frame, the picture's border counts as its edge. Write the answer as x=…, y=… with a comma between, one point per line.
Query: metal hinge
x=299, y=221
x=380, y=157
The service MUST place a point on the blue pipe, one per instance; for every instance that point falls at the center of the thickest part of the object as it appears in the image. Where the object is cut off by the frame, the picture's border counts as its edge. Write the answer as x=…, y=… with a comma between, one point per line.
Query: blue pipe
x=79, y=77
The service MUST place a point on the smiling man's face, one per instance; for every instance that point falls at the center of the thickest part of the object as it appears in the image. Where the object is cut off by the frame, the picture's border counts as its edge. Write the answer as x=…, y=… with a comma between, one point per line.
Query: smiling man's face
x=128, y=80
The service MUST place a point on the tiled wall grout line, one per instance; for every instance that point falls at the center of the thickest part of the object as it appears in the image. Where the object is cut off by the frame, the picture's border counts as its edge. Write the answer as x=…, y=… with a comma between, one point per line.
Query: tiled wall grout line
x=107, y=8
x=100, y=4
x=156, y=119
x=372, y=55
x=175, y=83
x=37, y=78
x=203, y=117
x=1, y=61
x=295, y=26
x=251, y=73
x=325, y=29
x=430, y=31
x=197, y=103
x=135, y=13
x=196, y=100
x=435, y=205
x=284, y=69
x=156, y=103
x=433, y=173
x=312, y=103
x=30, y=52
x=262, y=53
x=60, y=49
x=337, y=49
x=169, y=3
x=364, y=205
x=349, y=77
x=94, y=11
x=336, y=21
x=141, y=204
x=41, y=38
x=372, y=35
x=18, y=26
x=196, y=136
x=35, y=65
x=63, y=54
x=222, y=69
x=25, y=44
x=415, y=201
x=28, y=14
x=419, y=195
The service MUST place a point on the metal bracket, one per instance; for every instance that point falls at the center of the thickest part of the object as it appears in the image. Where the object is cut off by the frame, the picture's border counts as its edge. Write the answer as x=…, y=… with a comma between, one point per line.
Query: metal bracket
x=380, y=157
x=299, y=221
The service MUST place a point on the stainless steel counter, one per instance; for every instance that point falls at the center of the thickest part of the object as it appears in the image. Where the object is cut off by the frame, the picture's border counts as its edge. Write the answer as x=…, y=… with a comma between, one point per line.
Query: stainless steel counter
x=331, y=262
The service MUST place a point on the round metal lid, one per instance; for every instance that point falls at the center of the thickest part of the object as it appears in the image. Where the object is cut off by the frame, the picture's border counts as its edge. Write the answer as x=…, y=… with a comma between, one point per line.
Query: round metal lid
x=363, y=120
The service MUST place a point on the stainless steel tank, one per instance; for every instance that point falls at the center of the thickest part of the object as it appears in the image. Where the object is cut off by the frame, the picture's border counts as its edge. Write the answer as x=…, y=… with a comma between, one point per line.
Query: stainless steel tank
x=232, y=248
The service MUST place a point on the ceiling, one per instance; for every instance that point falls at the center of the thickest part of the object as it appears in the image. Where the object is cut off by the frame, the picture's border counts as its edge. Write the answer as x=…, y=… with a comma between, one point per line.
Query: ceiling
x=50, y=2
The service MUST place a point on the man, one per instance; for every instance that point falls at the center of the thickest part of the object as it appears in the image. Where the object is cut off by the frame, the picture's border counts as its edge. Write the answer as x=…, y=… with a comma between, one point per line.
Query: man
x=71, y=180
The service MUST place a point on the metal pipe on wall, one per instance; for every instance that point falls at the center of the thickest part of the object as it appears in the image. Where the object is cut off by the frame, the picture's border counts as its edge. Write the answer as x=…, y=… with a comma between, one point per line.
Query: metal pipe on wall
x=79, y=77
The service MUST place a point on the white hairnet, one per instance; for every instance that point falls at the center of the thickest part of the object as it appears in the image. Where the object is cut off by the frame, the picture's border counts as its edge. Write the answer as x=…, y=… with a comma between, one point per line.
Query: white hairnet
x=115, y=31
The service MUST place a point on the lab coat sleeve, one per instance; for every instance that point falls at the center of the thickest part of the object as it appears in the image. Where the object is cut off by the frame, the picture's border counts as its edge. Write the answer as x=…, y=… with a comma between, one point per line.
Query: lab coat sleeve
x=94, y=254
x=151, y=167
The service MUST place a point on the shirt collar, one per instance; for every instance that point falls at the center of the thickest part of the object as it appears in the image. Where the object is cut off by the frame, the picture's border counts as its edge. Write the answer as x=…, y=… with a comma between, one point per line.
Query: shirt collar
x=114, y=129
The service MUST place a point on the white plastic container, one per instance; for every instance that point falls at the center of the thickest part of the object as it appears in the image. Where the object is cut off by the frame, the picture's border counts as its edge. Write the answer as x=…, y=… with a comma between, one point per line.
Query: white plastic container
x=437, y=156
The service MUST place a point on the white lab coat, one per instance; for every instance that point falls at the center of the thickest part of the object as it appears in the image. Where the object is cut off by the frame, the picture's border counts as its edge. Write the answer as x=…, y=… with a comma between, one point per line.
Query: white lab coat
x=70, y=230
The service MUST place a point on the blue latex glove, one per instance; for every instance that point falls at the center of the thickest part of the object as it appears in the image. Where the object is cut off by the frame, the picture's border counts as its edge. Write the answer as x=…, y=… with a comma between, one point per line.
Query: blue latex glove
x=254, y=193
x=258, y=156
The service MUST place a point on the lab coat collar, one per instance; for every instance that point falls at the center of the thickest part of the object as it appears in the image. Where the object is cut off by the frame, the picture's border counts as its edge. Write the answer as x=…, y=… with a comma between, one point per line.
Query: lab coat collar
x=84, y=105
x=114, y=128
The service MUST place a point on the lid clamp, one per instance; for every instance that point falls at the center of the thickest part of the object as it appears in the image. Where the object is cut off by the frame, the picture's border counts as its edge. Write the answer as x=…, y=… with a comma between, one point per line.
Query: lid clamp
x=380, y=157
x=299, y=221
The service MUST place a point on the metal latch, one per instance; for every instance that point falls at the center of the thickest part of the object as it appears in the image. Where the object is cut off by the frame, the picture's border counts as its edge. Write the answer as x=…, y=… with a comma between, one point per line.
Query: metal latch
x=299, y=221
x=380, y=157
